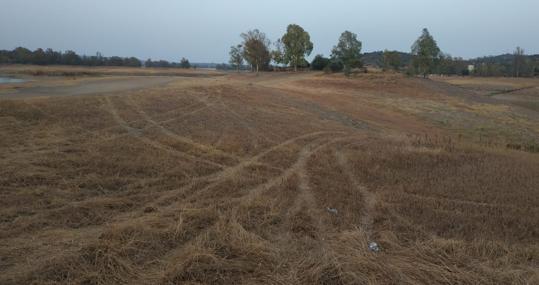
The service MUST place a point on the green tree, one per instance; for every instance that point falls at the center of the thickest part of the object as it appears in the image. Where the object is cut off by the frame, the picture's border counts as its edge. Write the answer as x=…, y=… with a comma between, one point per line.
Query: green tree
x=392, y=60
x=319, y=62
x=297, y=44
x=348, y=52
x=256, y=49
x=22, y=55
x=426, y=54
x=236, y=56
x=277, y=55
x=184, y=63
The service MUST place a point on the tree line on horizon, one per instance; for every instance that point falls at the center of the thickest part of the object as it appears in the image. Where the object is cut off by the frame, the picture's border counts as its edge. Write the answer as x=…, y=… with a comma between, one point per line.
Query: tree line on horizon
x=49, y=56
x=257, y=53
x=21, y=55
x=184, y=63
x=290, y=52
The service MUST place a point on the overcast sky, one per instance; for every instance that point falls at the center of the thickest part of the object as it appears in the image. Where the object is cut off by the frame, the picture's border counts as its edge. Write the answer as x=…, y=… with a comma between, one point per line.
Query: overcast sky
x=203, y=30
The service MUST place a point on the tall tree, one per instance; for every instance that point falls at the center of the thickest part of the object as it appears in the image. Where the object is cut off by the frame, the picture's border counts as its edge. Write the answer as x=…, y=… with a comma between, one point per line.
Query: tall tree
x=519, y=61
x=426, y=54
x=256, y=49
x=297, y=44
x=348, y=51
x=22, y=55
x=236, y=56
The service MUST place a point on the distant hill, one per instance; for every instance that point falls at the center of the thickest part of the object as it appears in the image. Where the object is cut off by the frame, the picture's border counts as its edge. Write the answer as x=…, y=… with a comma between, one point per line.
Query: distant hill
x=503, y=59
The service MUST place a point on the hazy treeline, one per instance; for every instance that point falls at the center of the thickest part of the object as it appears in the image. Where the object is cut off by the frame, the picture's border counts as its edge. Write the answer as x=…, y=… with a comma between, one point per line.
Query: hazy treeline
x=184, y=63
x=49, y=56
x=225, y=67
x=501, y=65
x=518, y=65
x=22, y=55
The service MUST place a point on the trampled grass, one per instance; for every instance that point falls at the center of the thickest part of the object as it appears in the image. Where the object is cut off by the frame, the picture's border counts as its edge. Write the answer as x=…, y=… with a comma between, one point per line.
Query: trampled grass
x=273, y=179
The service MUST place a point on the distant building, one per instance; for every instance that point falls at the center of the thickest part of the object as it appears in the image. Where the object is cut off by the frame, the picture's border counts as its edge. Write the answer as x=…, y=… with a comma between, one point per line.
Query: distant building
x=471, y=68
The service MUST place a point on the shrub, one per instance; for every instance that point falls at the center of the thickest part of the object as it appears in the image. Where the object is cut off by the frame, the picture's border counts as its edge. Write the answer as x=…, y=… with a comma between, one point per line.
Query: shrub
x=320, y=62
x=336, y=66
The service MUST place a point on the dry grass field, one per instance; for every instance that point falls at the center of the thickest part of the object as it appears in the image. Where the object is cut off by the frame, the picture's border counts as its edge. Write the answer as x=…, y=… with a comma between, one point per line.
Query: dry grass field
x=271, y=179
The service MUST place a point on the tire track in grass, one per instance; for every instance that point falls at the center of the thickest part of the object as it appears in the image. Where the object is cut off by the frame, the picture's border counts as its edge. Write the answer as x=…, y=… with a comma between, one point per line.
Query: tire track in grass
x=230, y=172
x=179, y=138
x=305, y=196
x=219, y=177
x=202, y=101
x=148, y=127
x=241, y=120
x=305, y=153
x=370, y=199
x=305, y=200
x=137, y=133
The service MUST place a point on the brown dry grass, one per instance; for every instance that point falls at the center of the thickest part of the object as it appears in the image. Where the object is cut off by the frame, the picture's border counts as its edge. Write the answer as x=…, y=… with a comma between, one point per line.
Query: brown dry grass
x=228, y=181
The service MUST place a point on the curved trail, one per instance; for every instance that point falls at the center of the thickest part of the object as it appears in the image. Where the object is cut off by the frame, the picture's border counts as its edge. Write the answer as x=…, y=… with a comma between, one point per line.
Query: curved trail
x=242, y=121
x=305, y=195
x=297, y=168
x=215, y=179
x=182, y=139
x=230, y=171
x=369, y=198
x=137, y=133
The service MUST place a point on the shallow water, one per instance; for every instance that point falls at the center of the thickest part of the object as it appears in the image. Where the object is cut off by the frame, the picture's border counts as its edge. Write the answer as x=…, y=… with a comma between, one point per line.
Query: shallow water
x=6, y=80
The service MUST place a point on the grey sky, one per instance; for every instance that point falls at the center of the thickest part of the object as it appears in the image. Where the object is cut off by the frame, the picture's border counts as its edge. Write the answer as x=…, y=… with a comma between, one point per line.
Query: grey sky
x=203, y=30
